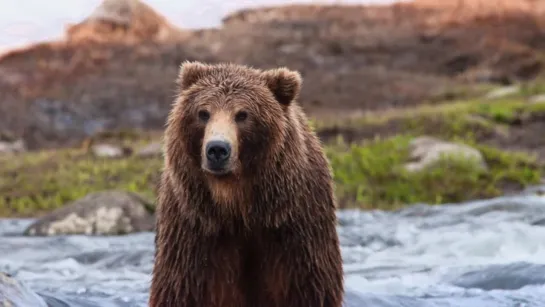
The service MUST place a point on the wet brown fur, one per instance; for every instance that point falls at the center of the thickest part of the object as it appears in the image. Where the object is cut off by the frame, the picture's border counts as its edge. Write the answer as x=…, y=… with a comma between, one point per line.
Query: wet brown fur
x=263, y=236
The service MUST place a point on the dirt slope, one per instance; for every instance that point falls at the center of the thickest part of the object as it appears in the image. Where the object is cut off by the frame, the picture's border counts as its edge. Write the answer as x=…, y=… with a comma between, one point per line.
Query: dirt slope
x=116, y=69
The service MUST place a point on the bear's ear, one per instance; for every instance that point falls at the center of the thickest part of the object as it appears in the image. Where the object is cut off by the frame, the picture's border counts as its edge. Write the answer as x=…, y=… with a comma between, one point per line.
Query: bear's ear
x=190, y=73
x=285, y=84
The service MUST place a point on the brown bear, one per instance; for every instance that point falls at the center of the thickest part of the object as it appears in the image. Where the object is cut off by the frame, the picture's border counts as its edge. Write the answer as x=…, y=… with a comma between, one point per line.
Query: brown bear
x=246, y=210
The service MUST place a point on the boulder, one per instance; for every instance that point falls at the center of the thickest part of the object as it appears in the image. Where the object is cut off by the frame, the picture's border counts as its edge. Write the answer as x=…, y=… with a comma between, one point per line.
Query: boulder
x=110, y=151
x=537, y=99
x=427, y=151
x=503, y=92
x=12, y=147
x=101, y=213
x=151, y=150
x=16, y=294
x=123, y=19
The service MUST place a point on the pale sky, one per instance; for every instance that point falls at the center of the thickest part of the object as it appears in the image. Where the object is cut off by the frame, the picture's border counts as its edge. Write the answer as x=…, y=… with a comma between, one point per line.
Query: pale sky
x=27, y=21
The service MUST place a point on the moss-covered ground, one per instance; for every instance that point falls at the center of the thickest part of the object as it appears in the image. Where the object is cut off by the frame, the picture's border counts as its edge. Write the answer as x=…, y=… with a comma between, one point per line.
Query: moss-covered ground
x=366, y=153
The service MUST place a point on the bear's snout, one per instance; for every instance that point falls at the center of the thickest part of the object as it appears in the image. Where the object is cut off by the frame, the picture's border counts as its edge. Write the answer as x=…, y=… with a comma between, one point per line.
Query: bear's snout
x=217, y=154
x=220, y=144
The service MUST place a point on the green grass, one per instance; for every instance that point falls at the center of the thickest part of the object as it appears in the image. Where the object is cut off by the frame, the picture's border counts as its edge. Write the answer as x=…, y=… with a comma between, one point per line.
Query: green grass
x=368, y=173
x=372, y=175
x=38, y=182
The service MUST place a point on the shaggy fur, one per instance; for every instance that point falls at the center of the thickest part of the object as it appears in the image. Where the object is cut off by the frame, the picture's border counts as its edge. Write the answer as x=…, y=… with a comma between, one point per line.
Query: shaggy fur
x=264, y=235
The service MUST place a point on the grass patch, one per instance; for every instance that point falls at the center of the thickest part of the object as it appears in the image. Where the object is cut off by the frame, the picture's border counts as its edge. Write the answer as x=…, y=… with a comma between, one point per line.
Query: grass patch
x=372, y=175
x=34, y=183
x=368, y=172
x=468, y=120
x=368, y=175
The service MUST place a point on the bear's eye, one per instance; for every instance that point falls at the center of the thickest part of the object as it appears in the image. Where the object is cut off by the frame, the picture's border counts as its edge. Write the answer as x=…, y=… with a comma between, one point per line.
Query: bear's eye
x=241, y=116
x=204, y=115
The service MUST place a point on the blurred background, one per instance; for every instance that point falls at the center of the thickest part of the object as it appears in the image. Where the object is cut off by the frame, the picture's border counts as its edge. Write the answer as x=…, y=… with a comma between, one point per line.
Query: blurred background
x=432, y=114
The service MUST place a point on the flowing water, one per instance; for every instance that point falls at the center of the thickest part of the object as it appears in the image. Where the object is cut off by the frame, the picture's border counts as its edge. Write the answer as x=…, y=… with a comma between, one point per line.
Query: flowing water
x=477, y=254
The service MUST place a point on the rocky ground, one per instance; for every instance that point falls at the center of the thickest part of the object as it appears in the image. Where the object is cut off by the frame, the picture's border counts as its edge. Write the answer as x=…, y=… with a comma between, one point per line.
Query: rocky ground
x=399, y=84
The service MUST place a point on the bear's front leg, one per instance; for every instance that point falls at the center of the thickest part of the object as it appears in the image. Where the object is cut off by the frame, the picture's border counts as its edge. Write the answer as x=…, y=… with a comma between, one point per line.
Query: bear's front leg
x=196, y=271
x=302, y=267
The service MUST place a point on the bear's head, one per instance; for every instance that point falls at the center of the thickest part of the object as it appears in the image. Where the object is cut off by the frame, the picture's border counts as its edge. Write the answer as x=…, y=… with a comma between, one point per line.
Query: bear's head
x=230, y=120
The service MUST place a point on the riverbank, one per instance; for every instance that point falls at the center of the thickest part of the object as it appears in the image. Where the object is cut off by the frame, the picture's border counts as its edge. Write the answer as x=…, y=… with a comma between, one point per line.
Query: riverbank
x=371, y=155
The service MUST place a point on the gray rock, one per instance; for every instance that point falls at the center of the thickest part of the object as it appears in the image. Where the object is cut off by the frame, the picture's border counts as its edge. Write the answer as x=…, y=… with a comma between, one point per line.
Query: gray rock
x=101, y=213
x=537, y=99
x=503, y=92
x=16, y=294
x=426, y=151
x=12, y=147
x=151, y=150
x=109, y=151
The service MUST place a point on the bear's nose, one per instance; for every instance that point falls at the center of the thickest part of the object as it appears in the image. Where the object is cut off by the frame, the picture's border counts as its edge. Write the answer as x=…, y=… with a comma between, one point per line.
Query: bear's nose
x=218, y=151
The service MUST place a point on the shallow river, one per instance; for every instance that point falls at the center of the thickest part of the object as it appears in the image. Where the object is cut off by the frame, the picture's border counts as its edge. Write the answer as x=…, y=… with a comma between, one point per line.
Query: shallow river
x=478, y=254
